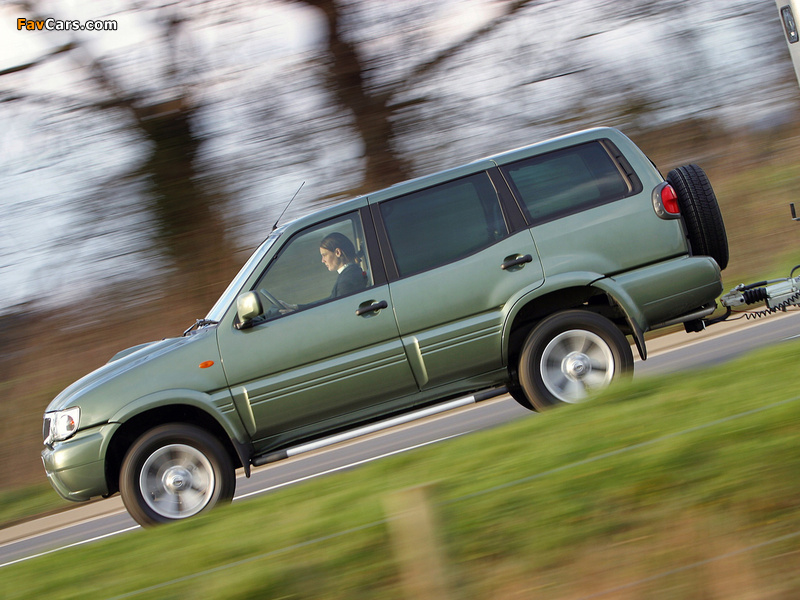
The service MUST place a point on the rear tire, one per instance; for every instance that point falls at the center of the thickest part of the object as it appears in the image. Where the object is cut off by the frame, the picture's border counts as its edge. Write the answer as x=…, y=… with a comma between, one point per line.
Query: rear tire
x=568, y=356
x=700, y=210
x=173, y=472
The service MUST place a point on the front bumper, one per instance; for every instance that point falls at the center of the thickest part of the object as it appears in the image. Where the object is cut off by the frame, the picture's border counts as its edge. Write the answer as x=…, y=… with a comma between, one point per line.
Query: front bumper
x=76, y=468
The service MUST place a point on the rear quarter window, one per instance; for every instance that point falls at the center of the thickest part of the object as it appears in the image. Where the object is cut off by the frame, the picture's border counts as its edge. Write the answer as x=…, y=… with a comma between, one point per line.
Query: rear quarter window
x=567, y=181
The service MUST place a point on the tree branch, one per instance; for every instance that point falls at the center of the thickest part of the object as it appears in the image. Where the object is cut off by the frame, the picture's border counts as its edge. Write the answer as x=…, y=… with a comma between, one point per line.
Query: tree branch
x=54, y=52
x=423, y=69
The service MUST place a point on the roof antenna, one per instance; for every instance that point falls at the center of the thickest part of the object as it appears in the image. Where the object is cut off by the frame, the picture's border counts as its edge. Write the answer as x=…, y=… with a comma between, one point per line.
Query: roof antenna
x=274, y=227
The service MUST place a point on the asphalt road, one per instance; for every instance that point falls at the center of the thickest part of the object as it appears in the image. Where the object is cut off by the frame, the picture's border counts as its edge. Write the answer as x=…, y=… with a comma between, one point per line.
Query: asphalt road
x=669, y=354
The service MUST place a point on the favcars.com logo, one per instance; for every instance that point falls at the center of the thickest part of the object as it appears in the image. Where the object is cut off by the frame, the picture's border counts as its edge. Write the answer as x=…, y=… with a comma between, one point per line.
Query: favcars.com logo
x=64, y=25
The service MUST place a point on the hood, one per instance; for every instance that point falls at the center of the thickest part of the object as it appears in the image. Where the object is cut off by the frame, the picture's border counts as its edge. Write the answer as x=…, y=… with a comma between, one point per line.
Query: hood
x=172, y=363
x=131, y=350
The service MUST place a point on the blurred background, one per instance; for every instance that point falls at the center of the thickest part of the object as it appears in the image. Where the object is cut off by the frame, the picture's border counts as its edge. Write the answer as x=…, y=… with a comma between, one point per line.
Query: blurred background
x=140, y=166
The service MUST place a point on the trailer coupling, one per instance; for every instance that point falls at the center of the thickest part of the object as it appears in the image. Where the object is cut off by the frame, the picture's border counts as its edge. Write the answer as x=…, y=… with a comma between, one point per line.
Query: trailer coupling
x=777, y=294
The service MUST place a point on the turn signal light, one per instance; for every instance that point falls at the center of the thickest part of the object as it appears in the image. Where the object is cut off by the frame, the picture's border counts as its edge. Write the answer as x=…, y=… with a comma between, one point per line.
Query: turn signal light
x=206, y=363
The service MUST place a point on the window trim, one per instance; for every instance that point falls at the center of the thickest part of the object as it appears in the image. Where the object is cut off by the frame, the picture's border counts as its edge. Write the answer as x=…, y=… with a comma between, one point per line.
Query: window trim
x=512, y=213
x=376, y=259
x=624, y=168
x=387, y=256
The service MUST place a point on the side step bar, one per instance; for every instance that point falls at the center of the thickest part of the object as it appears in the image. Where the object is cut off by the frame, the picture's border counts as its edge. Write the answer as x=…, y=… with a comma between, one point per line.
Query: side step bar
x=379, y=426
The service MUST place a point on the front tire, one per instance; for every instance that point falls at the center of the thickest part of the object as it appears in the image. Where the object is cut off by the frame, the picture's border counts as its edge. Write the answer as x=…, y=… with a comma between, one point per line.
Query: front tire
x=568, y=356
x=173, y=472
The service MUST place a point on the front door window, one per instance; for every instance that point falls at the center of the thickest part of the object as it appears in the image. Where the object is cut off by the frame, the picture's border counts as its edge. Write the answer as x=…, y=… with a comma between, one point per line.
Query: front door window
x=318, y=265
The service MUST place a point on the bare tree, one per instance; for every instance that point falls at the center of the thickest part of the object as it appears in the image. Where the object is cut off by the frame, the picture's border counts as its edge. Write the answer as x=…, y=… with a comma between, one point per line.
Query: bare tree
x=374, y=107
x=187, y=214
x=382, y=82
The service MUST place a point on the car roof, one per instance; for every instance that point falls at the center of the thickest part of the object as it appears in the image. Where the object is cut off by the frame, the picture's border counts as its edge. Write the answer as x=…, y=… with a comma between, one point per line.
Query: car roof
x=482, y=164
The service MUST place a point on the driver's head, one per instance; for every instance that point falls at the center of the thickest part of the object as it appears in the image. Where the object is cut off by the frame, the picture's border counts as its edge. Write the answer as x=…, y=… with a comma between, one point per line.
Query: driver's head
x=336, y=250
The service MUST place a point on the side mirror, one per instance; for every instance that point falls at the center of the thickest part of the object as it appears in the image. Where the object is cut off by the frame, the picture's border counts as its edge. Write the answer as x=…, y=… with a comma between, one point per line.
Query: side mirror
x=248, y=307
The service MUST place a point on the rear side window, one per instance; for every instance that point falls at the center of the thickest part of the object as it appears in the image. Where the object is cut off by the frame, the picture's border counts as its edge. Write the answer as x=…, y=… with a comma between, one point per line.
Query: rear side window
x=566, y=181
x=442, y=224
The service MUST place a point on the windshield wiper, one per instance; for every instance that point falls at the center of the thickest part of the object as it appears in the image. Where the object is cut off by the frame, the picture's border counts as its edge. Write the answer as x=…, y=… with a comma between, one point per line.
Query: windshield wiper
x=201, y=323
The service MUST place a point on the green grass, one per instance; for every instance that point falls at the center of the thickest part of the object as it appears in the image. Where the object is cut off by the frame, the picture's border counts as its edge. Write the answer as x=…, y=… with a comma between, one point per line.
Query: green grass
x=685, y=484
x=24, y=503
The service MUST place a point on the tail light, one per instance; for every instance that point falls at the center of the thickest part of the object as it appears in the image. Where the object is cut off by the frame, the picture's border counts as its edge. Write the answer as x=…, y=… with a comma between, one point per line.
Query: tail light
x=665, y=202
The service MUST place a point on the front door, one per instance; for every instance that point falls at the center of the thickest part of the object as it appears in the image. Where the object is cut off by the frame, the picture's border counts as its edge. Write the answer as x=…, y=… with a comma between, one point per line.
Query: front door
x=326, y=353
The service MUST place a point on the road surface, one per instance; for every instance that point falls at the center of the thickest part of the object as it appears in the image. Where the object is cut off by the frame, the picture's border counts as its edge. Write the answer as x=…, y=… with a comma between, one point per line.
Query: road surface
x=673, y=353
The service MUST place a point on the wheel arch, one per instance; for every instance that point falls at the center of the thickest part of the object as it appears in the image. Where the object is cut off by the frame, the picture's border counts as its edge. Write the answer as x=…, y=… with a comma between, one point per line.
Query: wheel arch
x=590, y=291
x=142, y=416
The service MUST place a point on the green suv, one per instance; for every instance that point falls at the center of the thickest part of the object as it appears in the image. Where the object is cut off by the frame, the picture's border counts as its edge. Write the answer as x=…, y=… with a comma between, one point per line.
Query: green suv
x=523, y=272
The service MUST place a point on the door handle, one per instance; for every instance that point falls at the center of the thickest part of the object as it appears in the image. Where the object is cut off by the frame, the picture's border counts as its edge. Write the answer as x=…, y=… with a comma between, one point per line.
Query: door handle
x=516, y=261
x=371, y=307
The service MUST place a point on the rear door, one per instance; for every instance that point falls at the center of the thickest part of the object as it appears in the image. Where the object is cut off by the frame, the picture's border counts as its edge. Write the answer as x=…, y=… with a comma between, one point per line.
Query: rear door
x=454, y=258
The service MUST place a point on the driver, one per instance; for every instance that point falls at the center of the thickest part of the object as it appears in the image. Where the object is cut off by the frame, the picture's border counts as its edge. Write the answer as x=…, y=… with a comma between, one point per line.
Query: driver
x=338, y=254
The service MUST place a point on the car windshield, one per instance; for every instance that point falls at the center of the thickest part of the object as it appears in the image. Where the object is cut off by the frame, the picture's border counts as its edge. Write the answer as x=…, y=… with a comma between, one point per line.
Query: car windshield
x=229, y=295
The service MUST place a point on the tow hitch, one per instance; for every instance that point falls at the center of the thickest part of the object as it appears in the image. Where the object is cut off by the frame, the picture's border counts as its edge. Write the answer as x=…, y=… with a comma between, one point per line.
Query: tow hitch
x=777, y=294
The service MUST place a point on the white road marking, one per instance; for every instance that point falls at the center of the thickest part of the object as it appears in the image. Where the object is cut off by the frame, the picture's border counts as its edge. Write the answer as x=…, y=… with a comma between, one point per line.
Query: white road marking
x=81, y=543
x=249, y=494
x=348, y=466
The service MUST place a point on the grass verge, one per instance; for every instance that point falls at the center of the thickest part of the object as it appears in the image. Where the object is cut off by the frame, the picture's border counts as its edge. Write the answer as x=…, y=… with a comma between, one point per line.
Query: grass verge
x=677, y=487
x=26, y=503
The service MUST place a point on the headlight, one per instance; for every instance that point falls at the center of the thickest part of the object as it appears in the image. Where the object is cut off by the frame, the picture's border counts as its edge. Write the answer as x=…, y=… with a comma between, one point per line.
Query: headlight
x=61, y=425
